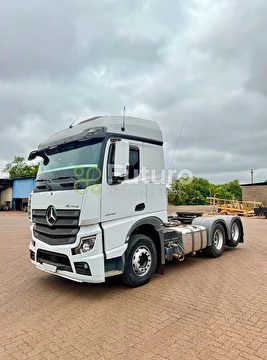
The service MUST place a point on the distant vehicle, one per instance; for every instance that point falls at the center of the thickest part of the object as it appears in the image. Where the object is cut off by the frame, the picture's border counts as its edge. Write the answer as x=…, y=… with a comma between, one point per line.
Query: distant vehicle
x=261, y=211
x=6, y=206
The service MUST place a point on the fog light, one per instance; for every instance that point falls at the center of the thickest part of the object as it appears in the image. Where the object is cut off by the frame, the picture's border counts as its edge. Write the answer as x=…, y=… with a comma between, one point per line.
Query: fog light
x=82, y=268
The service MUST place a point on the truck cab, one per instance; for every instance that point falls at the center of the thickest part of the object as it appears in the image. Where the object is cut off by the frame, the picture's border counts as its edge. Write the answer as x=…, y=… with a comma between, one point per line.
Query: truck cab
x=98, y=182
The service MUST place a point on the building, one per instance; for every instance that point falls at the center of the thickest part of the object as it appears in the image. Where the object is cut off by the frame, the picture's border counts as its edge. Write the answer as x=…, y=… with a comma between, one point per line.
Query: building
x=16, y=191
x=21, y=191
x=255, y=192
x=5, y=190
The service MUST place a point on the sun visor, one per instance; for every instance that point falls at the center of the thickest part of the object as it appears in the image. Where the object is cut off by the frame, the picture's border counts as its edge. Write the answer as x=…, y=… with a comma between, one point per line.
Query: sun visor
x=87, y=134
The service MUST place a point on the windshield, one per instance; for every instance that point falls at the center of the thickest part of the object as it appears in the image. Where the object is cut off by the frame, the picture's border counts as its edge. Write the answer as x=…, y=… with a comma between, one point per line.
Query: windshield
x=69, y=164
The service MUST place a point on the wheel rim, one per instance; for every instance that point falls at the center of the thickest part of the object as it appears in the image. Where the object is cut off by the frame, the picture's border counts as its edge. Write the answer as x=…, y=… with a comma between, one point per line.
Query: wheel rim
x=218, y=239
x=235, y=232
x=141, y=260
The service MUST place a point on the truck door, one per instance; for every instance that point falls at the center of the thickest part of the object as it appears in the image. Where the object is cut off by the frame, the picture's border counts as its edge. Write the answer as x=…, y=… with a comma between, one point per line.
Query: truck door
x=122, y=201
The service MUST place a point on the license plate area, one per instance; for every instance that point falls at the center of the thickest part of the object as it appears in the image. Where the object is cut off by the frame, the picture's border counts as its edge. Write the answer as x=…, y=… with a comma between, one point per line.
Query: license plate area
x=53, y=261
x=49, y=267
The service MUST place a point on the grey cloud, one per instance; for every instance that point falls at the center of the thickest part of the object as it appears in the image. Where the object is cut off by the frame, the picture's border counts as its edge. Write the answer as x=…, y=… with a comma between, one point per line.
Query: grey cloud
x=237, y=35
x=60, y=41
x=37, y=38
x=202, y=63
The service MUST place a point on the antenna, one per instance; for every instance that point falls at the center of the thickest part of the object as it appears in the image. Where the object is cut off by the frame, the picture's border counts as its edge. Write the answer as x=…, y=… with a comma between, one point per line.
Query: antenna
x=73, y=122
x=178, y=140
x=123, y=121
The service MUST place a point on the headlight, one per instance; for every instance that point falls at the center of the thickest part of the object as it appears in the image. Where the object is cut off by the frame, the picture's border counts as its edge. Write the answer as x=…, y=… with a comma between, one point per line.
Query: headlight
x=87, y=244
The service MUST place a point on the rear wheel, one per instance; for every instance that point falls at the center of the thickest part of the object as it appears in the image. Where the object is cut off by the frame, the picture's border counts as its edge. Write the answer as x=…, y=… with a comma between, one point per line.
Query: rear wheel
x=235, y=234
x=140, y=260
x=218, y=241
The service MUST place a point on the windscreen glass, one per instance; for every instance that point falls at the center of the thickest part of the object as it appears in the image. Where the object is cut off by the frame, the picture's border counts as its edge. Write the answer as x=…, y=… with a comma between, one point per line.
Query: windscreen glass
x=76, y=163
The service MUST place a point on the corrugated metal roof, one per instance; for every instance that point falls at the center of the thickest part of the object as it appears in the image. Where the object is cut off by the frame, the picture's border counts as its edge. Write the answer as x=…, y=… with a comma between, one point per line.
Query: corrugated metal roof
x=255, y=184
x=5, y=183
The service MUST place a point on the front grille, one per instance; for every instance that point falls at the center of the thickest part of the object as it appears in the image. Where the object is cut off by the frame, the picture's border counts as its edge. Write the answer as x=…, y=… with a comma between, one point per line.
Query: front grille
x=61, y=261
x=64, y=231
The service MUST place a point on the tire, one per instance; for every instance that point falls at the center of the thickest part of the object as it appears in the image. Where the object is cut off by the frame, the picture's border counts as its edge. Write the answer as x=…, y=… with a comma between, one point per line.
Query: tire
x=218, y=241
x=235, y=234
x=140, y=261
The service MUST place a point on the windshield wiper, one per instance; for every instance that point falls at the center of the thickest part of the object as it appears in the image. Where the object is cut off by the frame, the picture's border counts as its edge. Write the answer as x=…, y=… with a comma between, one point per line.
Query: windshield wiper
x=46, y=183
x=71, y=182
x=65, y=178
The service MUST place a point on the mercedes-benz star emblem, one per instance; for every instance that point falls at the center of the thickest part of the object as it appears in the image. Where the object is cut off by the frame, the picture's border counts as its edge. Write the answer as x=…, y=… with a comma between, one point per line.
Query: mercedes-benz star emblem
x=51, y=215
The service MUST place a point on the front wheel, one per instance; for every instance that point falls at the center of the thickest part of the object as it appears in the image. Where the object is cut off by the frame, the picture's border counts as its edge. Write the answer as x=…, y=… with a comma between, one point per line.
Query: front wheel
x=218, y=241
x=140, y=260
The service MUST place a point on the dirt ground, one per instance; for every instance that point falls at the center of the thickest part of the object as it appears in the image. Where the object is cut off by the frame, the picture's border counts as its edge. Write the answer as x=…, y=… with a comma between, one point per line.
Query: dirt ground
x=201, y=308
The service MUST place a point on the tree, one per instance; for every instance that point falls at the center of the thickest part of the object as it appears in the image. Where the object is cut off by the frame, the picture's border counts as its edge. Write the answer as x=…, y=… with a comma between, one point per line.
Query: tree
x=222, y=193
x=176, y=193
x=198, y=189
x=213, y=190
x=235, y=189
x=197, y=197
x=18, y=168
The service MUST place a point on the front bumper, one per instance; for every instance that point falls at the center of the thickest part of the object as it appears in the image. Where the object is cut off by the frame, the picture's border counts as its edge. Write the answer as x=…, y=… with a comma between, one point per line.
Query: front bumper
x=59, y=260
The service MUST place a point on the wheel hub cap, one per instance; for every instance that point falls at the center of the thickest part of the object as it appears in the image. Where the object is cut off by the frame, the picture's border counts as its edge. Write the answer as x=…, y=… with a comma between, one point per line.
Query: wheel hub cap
x=235, y=232
x=218, y=239
x=141, y=260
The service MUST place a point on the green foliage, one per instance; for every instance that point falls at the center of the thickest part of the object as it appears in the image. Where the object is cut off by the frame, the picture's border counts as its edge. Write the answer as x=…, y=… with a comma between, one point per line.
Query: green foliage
x=234, y=188
x=197, y=197
x=176, y=194
x=196, y=191
x=18, y=168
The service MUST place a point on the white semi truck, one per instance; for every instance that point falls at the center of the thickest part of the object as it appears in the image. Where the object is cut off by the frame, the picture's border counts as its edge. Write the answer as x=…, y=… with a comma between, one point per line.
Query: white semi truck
x=99, y=205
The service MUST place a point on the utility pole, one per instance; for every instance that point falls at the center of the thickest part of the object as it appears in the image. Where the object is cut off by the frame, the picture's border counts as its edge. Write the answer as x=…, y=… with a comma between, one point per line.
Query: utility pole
x=251, y=176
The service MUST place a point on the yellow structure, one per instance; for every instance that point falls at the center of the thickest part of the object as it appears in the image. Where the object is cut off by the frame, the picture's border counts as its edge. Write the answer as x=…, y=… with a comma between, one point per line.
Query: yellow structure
x=226, y=206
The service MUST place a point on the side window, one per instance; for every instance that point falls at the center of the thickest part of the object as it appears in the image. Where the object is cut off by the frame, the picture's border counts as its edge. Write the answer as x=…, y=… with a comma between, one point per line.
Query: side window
x=134, y=163
x=110, y=169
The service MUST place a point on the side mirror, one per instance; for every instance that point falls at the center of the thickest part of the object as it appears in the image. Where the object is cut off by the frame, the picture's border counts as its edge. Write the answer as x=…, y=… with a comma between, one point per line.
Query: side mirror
x=35, y=153
x=121, y=161
x=32, y=155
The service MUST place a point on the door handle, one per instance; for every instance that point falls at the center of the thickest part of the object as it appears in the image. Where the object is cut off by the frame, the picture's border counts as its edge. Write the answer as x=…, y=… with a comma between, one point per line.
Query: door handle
x=140, y=207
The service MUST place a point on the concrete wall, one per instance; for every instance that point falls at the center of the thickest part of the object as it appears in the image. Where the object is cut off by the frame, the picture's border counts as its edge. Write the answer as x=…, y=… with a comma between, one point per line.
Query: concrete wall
x=255, y=193
x=6, y=195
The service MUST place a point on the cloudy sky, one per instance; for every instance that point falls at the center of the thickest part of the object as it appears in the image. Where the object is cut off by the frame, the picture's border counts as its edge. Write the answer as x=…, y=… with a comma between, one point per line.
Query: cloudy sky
x=197, y=67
